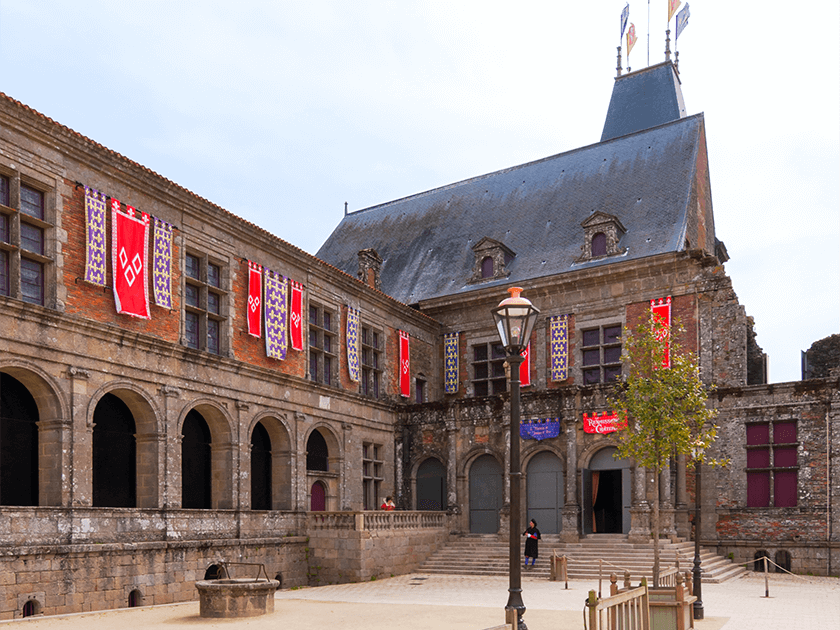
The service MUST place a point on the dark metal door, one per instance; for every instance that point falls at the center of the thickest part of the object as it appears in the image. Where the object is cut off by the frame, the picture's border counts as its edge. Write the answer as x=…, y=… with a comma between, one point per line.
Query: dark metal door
x=485, y=495
x=431, y=482
x=545, y=492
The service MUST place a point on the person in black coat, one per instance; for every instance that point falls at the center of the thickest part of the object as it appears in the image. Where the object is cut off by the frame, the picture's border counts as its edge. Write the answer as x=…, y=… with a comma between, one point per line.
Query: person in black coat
x=532, y=536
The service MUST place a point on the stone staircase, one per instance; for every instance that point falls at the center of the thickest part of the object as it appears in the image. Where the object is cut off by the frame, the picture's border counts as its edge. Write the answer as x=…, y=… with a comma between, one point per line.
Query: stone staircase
x=488, y=555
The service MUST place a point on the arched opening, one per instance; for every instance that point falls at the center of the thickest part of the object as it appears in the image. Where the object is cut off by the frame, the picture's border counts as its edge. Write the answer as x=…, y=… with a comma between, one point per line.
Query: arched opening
x=196, y=461
x=607, y=494
x=487, y=267
x=545, y=491
x=783, y=560
x=135, y=599
x=599, y=244
x=260, y=468
x=214, y=572
x=114, y=454
x=485, y=495
x=758, y=564
x=317, y=453
x=31, y=608
x=318, y=497
x=431, y=485
x=18, y=443
x=279, y=578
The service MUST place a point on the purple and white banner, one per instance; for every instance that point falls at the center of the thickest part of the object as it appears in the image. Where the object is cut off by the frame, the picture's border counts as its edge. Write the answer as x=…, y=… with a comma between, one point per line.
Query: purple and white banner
x=162, y=264
x=95, y=210
x=275, y=315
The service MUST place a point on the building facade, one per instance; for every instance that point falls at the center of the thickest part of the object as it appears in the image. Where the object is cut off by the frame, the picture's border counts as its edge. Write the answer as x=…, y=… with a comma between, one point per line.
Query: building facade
x=137, y=453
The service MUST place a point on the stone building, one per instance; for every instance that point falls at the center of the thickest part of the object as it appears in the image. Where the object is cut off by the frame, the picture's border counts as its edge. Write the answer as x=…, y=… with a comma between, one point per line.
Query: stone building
x=138, y=454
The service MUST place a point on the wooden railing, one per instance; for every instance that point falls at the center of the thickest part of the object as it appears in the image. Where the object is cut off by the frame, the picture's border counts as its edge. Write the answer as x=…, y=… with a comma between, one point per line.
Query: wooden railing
x=627, y=610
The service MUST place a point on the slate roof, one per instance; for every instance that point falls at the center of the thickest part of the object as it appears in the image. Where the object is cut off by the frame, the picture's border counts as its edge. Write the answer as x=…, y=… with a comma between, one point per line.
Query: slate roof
x=535, y=209
x=644, y=99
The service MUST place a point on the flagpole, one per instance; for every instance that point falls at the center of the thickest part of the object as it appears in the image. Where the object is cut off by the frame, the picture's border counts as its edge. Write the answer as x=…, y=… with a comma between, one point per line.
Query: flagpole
x=648, y=37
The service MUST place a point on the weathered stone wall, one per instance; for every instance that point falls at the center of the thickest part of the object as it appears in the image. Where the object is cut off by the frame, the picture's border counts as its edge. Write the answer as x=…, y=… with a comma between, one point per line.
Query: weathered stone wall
x=83, y=577
x=823, y=356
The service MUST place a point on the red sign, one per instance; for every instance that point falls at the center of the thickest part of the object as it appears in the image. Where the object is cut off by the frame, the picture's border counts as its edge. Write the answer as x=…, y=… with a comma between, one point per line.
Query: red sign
x=296, y=316
x=525, y=367
x=606, y=422
x=660, y=312
x=405, y=372
x=130, y=238
x=254, y=299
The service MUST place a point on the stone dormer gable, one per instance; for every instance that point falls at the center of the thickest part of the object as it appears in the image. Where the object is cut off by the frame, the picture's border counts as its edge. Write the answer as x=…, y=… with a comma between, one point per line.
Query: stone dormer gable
x=370, y=268
x=601, y=235
x=491, y=260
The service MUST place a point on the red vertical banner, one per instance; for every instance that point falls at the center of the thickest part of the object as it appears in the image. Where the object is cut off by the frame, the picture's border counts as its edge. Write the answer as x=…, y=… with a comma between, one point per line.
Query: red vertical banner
x=405, y=366
x=130, y=242
x=296, y=315
x=660, y=313
x=254, y=299
x=525, y=367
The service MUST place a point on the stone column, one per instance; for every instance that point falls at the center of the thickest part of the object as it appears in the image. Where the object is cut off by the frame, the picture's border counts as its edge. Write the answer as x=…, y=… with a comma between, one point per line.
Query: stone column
x=80, y=442
x=344, y=498
x=452, y=503
x=242, y=459
x=221, y=458
x=571, y=506
x=640, y=512
x=681, y=522
x=171, y=464
x=666, y=505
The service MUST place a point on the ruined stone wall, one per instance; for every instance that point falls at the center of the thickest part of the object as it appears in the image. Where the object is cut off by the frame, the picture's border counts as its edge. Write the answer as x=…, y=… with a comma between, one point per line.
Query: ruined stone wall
x=823, y=356
x=83, y=577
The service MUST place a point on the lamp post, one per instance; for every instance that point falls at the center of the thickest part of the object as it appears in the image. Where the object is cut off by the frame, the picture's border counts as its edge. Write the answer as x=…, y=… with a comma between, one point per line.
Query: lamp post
x=697, y=585
x=515, y=318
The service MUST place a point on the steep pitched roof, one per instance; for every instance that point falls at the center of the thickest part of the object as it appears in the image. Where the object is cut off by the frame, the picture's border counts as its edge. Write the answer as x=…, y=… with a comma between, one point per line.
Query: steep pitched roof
x=536, y=209
x=644, y=99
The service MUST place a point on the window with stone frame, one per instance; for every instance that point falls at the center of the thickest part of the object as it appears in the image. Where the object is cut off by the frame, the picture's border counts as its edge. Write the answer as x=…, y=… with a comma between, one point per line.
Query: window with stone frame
x=772, y=464
x=491, y=259
x=204, y=304
x=372, y=474
x=24, y=229
x=323, y=344
x=488, y=369
x=420, y=389
x=602, y=233
x=601, y=354
x=371, y=362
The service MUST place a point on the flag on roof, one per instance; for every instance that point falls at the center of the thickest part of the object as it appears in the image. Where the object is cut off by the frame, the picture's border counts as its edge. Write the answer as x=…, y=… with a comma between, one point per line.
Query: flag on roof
x=631, y=38
x=682, y=20
x=625, y=15
x=673, y=5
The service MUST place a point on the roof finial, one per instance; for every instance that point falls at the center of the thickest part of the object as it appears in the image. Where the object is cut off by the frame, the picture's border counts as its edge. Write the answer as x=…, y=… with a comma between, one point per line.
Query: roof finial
x=345, y=208
x=668, y=45
x=618, y=63
x=677, y=61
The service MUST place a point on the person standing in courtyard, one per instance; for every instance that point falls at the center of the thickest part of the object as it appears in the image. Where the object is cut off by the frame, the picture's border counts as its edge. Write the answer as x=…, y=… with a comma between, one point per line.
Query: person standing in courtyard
x=532, y=537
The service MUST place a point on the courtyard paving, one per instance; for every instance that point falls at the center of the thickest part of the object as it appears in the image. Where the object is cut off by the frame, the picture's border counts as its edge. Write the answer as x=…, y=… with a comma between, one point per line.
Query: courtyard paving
x=418, y=601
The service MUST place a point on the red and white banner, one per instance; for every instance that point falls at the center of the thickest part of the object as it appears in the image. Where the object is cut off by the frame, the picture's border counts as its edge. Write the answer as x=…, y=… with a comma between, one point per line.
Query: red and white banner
x=606, y=422
x=129, y=257
x=296, y=315
x=254, y=299
x=405, y=367
x=660, y=313
x=525, y=367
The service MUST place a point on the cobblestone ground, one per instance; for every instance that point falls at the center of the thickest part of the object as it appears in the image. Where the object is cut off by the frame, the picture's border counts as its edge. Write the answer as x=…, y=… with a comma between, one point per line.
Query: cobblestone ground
x=419, y=602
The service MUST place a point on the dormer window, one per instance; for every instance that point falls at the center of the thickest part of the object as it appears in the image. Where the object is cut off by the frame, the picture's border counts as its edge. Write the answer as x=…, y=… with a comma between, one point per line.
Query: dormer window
x=491, y=260
x=599, y=244
x=602, y=234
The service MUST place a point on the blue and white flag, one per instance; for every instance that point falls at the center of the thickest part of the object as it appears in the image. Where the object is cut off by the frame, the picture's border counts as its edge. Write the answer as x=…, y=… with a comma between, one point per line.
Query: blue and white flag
x=682, y=20
x=625, y=15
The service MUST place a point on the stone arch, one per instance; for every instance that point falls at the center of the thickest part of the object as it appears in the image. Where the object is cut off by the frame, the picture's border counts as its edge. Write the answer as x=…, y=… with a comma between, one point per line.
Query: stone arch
x=329, y=479
x=149, y=438
x=606, y=489
x=589, y=451
x=486, y=493
x=282, y=456
x=221, y=448
x=54, y=428
x=428, y=483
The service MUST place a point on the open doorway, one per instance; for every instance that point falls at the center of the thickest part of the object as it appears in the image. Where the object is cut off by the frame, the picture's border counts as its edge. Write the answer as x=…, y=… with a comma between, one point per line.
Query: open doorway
x=606, y=494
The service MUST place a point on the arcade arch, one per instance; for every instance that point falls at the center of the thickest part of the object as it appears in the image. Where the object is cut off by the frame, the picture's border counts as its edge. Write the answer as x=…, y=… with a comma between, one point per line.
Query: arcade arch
x=206, y=458
x=271, y=465
x=323, y=466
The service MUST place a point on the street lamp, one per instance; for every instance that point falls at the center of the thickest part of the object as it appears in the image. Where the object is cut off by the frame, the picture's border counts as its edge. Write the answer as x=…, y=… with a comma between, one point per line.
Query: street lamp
x=515, y=318
x=697, y=585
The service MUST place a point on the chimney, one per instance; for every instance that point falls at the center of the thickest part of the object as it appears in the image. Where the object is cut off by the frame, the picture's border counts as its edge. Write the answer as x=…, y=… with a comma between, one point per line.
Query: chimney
x=370, y=264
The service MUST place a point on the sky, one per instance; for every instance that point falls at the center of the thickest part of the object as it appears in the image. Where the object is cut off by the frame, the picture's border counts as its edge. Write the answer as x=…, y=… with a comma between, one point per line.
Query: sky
x=282, y=111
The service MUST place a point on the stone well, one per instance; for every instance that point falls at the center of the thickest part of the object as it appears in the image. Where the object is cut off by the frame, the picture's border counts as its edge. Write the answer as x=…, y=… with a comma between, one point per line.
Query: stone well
x=242, y=597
